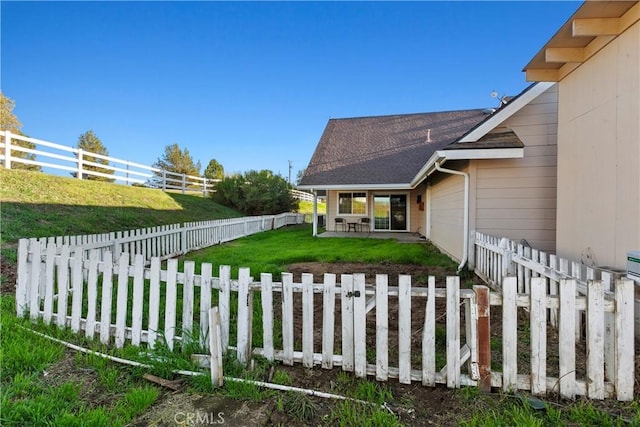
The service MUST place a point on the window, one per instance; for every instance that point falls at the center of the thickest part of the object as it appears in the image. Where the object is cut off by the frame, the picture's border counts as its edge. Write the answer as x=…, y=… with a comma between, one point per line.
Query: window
x=352, y=203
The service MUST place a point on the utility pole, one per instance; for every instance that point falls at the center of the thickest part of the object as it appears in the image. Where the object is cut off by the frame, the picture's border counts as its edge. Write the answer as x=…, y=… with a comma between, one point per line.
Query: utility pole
x=289, y=172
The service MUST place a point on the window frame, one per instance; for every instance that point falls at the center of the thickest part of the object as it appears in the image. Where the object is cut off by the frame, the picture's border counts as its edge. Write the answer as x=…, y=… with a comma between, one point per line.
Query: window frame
x=353, y=195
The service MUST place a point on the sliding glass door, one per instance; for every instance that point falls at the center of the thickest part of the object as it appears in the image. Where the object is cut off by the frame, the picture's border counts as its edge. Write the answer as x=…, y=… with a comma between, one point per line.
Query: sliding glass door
x=390, y=212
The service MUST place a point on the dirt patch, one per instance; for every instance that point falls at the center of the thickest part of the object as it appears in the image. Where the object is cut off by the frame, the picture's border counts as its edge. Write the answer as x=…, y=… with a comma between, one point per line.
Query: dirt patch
x=418, y=273
x=8, y=276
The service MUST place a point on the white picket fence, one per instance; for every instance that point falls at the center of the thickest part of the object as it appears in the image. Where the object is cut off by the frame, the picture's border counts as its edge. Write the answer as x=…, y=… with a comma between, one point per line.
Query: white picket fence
x=74, y=160
x=497, y=258
x=332, y=323
x=169, y=240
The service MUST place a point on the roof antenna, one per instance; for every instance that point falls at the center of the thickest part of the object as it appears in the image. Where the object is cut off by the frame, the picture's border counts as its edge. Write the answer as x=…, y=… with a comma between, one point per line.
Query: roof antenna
x=429, y=135
x=503, y=98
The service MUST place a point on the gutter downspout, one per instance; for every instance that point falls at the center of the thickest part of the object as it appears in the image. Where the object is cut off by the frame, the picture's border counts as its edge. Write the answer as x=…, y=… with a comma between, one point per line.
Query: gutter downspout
x=465, y=241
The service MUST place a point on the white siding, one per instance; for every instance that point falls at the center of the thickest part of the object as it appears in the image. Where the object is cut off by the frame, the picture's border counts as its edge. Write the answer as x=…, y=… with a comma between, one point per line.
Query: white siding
x=516, y=198
x=446, y=206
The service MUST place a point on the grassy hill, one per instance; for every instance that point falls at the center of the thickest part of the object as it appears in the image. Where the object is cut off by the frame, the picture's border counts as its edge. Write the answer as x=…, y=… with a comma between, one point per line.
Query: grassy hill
x=35, y=204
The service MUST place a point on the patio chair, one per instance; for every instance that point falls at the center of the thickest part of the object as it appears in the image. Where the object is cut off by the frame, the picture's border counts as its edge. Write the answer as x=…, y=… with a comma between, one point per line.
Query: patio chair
x=365, y=223
x=340, y=223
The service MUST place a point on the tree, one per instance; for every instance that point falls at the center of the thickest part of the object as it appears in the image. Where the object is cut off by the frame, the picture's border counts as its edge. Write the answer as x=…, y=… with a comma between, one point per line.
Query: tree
x=177, y=161
x=256, y=193
x=299, y=176
x=89, y=142
x=214, y=170
x=10, y=122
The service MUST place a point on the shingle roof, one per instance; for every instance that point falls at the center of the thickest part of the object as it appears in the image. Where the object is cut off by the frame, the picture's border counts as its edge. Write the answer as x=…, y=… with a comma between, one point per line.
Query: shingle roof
x=505, y=139
x=384, y=149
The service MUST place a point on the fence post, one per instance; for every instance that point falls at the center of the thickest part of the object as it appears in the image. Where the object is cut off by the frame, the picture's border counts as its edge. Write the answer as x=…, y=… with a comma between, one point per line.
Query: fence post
x=215, y=347
x=79, y=163
x=204, y=188
x=184, y=183
x=7, y=150
x=484, y=337
x=164, y=180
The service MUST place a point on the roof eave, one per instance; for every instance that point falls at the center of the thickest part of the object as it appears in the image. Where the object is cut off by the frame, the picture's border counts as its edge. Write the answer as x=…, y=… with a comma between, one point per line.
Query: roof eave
x=442, y=156
x=355, y=187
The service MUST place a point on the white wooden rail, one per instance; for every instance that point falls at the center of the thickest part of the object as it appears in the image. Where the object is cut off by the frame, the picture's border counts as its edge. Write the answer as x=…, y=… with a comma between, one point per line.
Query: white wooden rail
x=73, y=292
x=62, y=157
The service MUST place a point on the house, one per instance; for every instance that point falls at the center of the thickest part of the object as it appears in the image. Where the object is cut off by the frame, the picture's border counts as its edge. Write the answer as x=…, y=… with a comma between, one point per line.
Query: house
x=445, y=174
x=595, y=60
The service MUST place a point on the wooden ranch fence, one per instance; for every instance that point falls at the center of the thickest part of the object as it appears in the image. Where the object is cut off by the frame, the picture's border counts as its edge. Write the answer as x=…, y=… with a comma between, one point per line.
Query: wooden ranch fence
x=426, y=333
x=169, y=240
x=76, y=160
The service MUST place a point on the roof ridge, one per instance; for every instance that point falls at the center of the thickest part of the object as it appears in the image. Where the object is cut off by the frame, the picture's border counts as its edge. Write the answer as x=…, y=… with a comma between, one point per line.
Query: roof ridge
x=408, y=114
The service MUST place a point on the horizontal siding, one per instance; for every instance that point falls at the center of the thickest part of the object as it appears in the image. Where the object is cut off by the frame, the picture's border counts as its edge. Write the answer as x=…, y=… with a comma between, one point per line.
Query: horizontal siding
x=517, y=213
x=516, y=198
x=447, y=213
x=507, y=172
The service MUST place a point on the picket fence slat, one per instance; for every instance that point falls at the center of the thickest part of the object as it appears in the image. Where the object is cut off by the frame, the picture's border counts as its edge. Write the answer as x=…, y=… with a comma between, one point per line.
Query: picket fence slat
x=566, y=338
x=429, y=336
x=171, y=301
x=624, y=293
x=307, y=320
x=137, y=302
x=404, y=328
x=595, y=340
x=287, y=318
x=206, y=271
x=244, y=316
x=359, y=326
x=328, y=319
x=509, y=335
x=77, y=286
x=266, y=281
x=453, y=332
x=382, y=327
x=121, y=299
x=92, y=294
x=49, y=267
x=224, y=304
x=346, y=286
x=188, y=297
x=538, y=327
x=154, y=301
x=106, y=297
x=34, y=276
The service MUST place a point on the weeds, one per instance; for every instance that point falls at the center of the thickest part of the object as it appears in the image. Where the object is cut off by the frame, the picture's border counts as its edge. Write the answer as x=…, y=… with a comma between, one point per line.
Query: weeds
x=300, y=406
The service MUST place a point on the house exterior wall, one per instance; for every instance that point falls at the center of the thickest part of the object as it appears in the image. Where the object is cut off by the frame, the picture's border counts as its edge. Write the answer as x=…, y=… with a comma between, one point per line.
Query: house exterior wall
x=599, y=155
x=446, y=211
x=516, y=198
x=417, y=216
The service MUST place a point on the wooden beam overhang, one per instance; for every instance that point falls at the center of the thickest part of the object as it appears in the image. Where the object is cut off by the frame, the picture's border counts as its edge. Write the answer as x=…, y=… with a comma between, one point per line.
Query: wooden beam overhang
x=587, y=36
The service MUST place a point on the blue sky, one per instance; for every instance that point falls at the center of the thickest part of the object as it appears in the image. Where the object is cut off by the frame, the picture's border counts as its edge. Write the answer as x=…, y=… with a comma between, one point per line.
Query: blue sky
x=252, y=84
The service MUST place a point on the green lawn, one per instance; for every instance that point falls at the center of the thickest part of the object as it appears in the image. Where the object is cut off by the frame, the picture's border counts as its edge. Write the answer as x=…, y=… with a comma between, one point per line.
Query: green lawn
x=272, y=251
